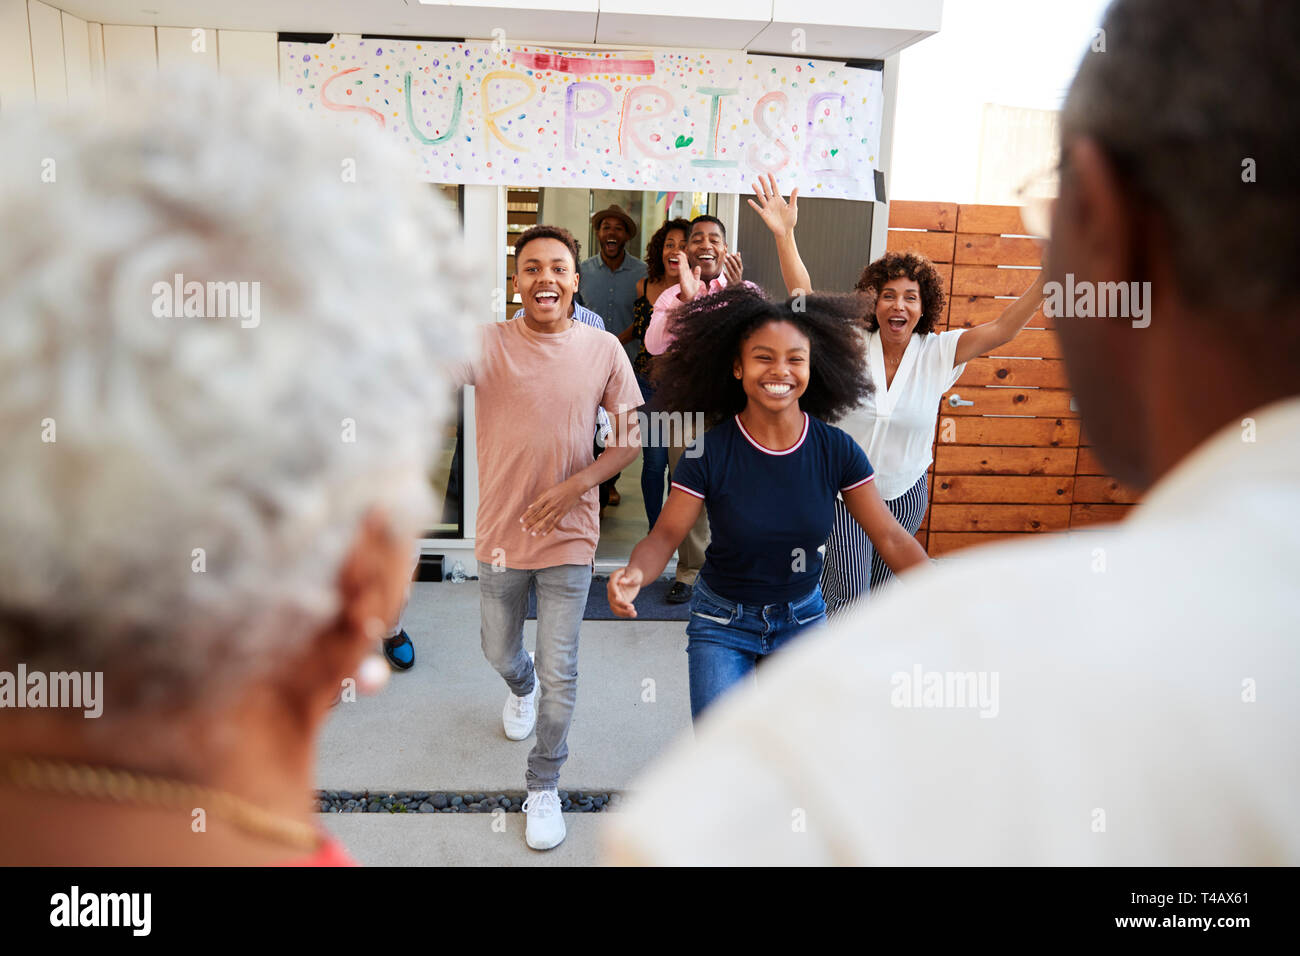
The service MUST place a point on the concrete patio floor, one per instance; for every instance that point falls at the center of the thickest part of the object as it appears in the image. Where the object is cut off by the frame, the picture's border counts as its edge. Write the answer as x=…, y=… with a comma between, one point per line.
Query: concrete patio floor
x=438, y=727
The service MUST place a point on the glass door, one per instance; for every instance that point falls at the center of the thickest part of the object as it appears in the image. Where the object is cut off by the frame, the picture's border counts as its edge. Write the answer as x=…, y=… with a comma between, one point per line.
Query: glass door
x=448, y=475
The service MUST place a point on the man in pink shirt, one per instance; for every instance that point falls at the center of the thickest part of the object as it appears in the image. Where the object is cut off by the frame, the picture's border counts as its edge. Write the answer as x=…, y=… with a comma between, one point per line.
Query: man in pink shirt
x=538, y=383
x=710, y=268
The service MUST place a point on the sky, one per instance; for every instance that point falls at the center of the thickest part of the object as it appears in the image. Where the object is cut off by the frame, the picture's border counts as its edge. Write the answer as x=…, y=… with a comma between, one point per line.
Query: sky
x=1019, y=53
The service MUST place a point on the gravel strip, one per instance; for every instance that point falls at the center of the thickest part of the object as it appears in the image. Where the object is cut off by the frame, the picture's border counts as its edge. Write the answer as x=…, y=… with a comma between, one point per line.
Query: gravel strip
x=459, y=801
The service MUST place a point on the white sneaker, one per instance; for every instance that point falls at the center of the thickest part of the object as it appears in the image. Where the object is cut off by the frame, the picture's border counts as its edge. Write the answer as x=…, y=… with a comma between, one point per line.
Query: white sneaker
x=520, y=714
x=545, y=827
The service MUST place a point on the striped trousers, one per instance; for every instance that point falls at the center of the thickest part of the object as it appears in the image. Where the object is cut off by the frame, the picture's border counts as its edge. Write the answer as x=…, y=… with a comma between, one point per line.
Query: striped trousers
x=852, y=567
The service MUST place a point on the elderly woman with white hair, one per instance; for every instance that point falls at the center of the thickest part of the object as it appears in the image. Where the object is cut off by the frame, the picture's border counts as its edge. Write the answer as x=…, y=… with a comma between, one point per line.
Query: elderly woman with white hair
x=220, y=390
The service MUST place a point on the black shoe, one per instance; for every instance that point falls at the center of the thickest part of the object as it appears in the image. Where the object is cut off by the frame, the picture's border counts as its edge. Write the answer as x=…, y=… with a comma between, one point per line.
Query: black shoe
x=400, y=651
x=679, y=593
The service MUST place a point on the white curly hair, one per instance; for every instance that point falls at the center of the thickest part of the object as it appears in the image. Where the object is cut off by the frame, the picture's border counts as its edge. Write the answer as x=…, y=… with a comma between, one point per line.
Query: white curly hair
x=172, y=434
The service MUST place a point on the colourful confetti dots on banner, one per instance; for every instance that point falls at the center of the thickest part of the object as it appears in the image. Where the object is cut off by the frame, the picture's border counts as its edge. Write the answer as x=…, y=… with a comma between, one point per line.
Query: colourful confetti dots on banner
x=549, y=116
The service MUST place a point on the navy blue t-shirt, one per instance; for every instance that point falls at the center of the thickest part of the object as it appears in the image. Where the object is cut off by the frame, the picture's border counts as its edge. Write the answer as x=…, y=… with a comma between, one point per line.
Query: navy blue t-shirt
x=769, y=511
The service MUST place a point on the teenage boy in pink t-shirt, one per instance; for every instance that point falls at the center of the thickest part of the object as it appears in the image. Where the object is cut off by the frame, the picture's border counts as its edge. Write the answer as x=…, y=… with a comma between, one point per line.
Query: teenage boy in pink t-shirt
x=538, y=382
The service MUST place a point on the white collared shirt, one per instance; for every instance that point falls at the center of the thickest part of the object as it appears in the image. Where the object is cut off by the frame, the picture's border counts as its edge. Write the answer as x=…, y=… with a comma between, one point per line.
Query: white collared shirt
x=895, y=425
x=1138, y=703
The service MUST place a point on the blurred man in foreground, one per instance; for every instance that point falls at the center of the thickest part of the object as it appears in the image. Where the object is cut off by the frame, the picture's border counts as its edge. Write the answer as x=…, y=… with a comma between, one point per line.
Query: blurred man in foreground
x=1120, y=697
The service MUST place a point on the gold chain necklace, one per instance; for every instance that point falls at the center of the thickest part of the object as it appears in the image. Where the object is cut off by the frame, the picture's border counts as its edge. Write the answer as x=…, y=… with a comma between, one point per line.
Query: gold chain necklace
x=122, y=786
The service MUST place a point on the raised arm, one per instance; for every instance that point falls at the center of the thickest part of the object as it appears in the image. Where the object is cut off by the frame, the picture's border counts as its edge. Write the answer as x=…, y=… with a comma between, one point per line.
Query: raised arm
x=898, y=548
x=781, y=217
x=656, y=334
x=629, y=333
x=650, y=557
x=992, y=335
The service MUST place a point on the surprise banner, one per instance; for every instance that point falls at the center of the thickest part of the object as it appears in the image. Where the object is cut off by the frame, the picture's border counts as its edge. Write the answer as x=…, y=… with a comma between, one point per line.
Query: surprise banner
x=491, y=113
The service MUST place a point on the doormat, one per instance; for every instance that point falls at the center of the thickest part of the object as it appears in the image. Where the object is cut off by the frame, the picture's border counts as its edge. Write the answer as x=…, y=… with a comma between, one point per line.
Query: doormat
x=650, y=603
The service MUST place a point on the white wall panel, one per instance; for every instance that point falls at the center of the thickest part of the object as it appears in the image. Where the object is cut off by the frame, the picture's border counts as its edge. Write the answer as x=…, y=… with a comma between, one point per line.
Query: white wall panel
x=97, y=78
x=17, y=88
x=254, y=56
x=47, y=54
x=128, y=50
x=76, y=57
x=186, y=48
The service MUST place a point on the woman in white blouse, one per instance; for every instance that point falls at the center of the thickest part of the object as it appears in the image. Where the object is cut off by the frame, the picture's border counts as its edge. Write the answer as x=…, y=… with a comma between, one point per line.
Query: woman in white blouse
x=911, y=367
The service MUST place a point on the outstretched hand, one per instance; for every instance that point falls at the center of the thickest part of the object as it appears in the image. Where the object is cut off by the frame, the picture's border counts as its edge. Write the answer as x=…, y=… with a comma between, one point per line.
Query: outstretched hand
x=779, y=215
x=624, y=585
x=733, y=268
x=690, y=284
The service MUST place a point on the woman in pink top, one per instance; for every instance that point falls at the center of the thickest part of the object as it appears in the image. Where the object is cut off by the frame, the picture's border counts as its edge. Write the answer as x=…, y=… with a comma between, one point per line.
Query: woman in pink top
x=665, y=256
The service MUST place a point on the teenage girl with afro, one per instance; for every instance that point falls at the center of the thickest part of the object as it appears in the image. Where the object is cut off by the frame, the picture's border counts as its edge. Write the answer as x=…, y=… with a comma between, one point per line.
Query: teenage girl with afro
x=768, y=378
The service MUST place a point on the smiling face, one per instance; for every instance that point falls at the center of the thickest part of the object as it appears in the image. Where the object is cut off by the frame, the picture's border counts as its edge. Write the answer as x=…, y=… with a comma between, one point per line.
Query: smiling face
x=898, y=309
x=674, y=254
x=612, y=236
x=705, y=248
x=546, y=280
x=773, y=366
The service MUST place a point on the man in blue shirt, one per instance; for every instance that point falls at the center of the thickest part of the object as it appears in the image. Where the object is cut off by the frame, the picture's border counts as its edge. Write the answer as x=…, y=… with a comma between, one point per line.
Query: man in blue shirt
x=608, y=279
x=608, y=287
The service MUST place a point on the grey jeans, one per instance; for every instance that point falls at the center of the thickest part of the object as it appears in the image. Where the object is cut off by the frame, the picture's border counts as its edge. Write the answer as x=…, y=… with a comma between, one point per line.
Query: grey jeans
x=561, y=599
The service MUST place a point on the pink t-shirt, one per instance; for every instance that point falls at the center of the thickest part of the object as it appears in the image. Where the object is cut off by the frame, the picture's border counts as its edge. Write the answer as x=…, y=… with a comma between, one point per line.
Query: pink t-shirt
x=535, y=403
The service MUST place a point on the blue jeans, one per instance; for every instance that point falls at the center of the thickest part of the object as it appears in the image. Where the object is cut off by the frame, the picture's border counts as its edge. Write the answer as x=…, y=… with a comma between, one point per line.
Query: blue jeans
x=654, y=463
x=561, y=599
x=727, y=641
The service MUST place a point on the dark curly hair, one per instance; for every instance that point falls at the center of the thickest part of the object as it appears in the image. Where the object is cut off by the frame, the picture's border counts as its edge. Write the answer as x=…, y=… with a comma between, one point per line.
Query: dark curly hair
x=903, y=265
x=549, y=232
x=705, y=217
x=654, y=248
x=695, y=373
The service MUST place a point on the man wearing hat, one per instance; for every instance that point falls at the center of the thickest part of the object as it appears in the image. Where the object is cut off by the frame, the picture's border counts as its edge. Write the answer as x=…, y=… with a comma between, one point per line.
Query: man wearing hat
x=608, y=285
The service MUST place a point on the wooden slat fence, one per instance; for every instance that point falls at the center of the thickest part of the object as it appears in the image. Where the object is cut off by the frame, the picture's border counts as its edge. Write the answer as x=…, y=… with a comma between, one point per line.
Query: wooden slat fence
x=1014, y=462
